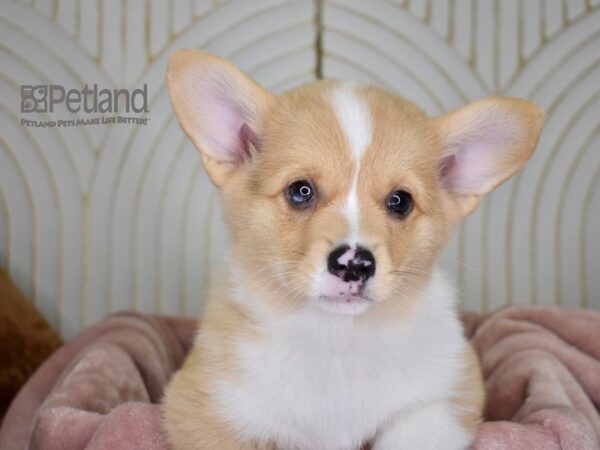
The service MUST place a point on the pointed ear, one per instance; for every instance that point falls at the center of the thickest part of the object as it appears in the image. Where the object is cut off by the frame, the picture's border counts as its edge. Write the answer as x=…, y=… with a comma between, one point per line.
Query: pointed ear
x=218, y=107
x=484, y=144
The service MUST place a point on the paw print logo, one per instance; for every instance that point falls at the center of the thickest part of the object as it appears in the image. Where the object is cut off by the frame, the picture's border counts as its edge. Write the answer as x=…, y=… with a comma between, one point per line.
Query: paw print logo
x=34, y=99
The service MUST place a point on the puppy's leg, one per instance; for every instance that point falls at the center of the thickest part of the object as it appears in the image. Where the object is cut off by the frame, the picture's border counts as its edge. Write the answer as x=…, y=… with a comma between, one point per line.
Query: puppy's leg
x=431, y=427
x=449, y=424
x=191, y=420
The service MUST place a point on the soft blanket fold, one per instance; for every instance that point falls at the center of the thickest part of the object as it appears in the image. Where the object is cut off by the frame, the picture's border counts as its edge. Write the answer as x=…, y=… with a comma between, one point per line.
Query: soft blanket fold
x=542, y=372
x=100, y=391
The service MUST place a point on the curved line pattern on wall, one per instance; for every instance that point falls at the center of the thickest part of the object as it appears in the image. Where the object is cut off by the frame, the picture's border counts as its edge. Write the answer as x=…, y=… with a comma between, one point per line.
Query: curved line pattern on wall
x=109, y=206
x=96, y=219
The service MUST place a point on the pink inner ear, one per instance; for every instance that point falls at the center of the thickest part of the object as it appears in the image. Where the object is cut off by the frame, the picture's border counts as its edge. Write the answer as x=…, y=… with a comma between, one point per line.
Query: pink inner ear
x=469, y=169
x=224, y=112
x=476, y=163
x=223, y=122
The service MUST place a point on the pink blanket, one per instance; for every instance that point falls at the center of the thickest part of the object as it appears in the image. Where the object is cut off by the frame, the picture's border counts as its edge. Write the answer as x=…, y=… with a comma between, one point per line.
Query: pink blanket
x=100, y=391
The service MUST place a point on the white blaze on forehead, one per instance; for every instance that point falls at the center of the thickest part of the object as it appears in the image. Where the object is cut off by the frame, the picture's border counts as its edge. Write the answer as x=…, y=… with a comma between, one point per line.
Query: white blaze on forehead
x=355, y=121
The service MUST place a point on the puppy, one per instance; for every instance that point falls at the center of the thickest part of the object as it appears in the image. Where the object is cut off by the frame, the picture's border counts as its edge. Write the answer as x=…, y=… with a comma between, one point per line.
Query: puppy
x=332, y=328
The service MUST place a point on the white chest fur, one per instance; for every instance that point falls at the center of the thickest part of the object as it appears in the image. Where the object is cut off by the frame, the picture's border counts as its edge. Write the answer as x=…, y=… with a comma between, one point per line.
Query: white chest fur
x=317, y=381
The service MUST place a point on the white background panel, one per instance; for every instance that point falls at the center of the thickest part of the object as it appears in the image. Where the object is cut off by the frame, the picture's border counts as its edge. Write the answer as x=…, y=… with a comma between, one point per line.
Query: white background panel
x=98, y=219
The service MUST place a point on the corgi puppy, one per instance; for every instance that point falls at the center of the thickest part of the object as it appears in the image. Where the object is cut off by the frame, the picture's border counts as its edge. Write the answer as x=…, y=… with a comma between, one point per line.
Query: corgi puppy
x=331, y=327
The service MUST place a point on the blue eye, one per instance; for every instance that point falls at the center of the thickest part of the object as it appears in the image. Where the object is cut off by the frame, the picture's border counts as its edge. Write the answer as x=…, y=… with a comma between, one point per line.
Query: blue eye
x=400, y=203
x=300, y=194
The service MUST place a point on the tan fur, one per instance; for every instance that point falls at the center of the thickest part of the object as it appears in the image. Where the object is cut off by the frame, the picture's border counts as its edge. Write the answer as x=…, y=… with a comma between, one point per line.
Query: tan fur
x=277, y=248
x=191, y=418
x=469, y=397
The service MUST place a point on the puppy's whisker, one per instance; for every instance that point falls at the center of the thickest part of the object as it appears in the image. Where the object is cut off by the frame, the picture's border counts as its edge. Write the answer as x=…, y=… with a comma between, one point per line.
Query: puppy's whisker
x=407, y=272
x=466, y=266
x=401, y=271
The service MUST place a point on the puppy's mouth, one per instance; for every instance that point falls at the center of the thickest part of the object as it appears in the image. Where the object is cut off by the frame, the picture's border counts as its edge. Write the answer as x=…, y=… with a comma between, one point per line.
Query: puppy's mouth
x=340, y=297
x=346, y=299
x=347, y=304
x=342, y=289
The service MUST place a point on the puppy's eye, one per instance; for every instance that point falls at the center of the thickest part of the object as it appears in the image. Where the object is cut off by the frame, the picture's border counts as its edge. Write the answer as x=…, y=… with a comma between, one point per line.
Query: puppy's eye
x=400, y=203
x=300, y=194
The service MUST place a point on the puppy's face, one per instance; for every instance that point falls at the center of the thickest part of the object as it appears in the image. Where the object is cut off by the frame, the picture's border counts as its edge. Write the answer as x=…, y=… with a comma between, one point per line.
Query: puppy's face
x=342, y=201
x=337, y=196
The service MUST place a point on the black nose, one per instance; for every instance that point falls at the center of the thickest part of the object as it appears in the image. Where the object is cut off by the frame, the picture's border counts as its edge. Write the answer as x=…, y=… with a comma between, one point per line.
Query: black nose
x=351, y=265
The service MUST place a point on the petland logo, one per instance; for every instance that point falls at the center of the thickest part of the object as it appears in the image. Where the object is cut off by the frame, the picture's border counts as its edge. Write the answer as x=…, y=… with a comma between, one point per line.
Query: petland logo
x=89, y=100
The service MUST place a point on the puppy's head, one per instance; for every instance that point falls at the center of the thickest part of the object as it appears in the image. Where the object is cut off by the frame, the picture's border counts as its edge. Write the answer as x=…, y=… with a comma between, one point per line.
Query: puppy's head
x=339, y=196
